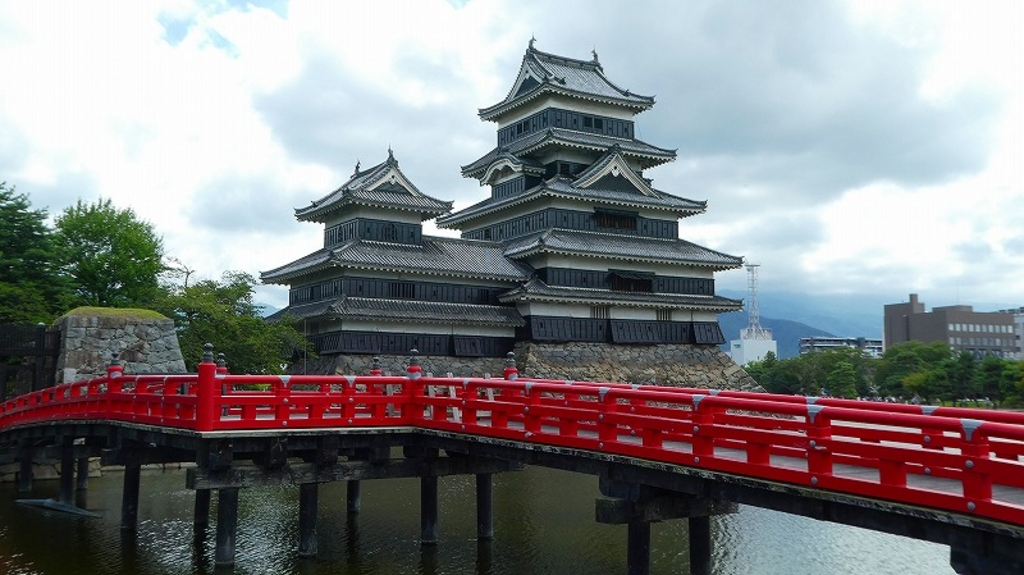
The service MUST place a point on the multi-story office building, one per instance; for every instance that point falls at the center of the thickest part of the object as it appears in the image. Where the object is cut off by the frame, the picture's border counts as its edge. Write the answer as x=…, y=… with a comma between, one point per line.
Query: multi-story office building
x=869, y=347
x=981, y=333
x=1018, y=330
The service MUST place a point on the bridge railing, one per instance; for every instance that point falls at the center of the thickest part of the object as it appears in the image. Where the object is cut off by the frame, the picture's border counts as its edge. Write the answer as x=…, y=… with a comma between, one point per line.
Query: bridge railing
x=961, y=460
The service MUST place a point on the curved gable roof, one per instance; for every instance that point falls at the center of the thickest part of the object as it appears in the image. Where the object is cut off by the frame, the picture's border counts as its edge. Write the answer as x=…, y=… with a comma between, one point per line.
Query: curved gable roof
x=382, y=186
x=543, y=73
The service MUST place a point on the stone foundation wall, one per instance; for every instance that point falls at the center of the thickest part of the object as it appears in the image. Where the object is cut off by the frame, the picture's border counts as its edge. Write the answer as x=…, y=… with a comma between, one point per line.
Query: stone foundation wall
x=51, y=470
x=42, y=471
x=144, y=342
x=354, y=364
x=678, y=365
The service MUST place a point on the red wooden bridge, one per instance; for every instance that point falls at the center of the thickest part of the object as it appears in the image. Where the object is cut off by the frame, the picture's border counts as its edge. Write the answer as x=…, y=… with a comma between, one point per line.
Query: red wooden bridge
x=951, y=475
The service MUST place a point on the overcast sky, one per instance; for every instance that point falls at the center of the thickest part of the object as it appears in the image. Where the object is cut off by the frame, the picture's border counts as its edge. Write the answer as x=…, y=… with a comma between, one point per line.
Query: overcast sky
x=865, y=147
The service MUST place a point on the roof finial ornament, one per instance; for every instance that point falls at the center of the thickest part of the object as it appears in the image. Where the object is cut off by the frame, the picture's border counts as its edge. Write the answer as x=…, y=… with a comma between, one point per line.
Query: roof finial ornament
x=356, y=172
x=391, y=157
x=594, y=52
x=533, y=38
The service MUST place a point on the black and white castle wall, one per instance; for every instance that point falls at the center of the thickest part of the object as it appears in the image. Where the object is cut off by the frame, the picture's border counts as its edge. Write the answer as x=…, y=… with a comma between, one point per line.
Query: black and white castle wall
x=573, y=259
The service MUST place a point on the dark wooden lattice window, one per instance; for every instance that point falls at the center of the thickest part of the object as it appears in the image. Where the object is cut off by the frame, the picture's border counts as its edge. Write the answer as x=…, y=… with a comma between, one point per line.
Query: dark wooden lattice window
x=401, y=290
x=632, y=281
x=615, y=220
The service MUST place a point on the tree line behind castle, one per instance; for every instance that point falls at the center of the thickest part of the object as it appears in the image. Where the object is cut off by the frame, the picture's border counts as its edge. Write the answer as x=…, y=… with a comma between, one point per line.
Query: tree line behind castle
x=911, y=371
x=96, y=254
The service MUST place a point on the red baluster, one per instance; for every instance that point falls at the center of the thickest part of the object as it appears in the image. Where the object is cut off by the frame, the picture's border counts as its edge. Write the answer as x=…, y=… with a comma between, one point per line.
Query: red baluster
x=207, y=387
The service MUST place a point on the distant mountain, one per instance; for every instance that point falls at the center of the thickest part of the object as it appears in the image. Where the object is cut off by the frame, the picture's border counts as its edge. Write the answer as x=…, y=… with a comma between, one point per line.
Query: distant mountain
x=842, y=315
x=787, y=333
x=267, y=309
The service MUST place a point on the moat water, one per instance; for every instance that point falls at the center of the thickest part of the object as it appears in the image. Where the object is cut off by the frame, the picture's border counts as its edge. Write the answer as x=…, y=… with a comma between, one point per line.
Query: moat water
x=544, y=524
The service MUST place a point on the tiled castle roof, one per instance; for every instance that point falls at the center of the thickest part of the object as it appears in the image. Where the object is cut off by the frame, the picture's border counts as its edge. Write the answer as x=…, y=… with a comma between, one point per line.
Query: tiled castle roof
x=384, y=186
x=635, y=248
x=434, y=256
x=537, y=290
x=400, y=310
x=542, y=73
x=563, y=188
x=645, y=153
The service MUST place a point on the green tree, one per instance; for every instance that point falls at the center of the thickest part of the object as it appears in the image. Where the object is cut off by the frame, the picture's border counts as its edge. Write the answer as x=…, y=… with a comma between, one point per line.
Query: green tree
x=31, y=290
x=111, y=257
x=842, y=380
x=904, y=359
x=223, y=313
x=961, y=373
x=1013, y=383
x=992, y=374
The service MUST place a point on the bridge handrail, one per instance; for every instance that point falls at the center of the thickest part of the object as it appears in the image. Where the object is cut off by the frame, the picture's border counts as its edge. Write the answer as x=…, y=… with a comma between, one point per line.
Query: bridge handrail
x=857, y=447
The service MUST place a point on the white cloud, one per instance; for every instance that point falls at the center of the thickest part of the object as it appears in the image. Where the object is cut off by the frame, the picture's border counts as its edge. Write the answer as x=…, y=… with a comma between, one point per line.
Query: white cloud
x=866, y=146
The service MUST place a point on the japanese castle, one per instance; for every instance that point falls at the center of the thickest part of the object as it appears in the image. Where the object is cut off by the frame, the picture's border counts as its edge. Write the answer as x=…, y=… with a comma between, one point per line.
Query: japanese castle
x=573, y=243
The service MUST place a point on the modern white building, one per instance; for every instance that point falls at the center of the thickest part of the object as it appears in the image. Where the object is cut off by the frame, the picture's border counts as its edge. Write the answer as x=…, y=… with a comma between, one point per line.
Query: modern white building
x=752, y=346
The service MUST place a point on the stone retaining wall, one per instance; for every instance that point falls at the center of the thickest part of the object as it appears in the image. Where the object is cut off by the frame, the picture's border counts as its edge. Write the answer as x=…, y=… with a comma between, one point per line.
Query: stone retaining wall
x=144, y=342
x=678, y=365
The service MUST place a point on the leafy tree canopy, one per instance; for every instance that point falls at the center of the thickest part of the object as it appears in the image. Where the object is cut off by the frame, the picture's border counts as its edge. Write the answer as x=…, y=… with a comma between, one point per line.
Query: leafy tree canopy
x=911, y=370
x=31, y=290
x=112, y=258
x=223, y=313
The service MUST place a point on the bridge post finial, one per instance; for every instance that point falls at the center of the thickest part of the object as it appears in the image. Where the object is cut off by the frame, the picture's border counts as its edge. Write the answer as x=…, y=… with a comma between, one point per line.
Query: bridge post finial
x=114, y=368
x=222, y=364
x=375, y=366
x=208, y=353
x=511, y=371
x=414, y=370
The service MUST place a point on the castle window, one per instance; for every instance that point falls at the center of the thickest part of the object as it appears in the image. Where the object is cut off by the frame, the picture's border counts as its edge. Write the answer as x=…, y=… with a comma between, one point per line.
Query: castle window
x=600, y=312
x=615, y=220
x=664, y=315
x=630, y=281
x=588, y=122
x=598, y=124
x=401, y=290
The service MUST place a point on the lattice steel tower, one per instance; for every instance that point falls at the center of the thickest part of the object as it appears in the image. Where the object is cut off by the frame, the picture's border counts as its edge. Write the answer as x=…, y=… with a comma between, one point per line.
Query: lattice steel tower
x=754, y=330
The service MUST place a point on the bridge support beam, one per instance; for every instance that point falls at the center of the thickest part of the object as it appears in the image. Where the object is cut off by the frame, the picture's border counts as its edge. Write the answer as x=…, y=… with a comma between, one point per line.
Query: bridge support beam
x=308, y=499
x=986, y=554
x=484, y=506
x=640, y=505
x=130, y=495
x=227, y=525
x=67, y=470
x=25, y=473
x=700, y=545
x=353, y=496
x=638, y=548
x=82, y=474
x=201, y=510
x=428, y=510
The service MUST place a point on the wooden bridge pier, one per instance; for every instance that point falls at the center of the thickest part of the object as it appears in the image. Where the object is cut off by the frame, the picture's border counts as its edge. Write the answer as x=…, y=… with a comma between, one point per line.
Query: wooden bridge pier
x=353, y=496
x=26, y=453
x=638, y=505
x=275, y=467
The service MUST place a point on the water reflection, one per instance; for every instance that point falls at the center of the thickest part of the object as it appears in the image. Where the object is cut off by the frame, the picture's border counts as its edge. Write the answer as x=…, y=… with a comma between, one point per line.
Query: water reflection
x=543, y=523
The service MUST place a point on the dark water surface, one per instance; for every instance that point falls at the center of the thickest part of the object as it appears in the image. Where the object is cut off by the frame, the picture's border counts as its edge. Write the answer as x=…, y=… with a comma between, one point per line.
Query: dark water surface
x=544, y=524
